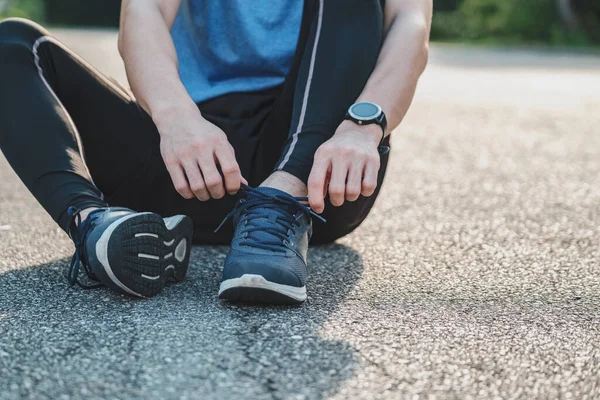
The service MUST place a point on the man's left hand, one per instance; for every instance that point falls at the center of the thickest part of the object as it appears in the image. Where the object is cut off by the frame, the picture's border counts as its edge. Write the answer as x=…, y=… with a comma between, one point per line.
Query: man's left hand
x=346, y=166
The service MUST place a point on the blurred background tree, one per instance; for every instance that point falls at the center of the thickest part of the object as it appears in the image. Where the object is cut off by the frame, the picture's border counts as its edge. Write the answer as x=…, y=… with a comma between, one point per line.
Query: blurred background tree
x=518, y=21
x=34, y=9
x=560, y=22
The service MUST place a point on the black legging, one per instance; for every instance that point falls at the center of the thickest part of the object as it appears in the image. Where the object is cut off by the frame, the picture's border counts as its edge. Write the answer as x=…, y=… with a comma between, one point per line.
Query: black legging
x=57, y=111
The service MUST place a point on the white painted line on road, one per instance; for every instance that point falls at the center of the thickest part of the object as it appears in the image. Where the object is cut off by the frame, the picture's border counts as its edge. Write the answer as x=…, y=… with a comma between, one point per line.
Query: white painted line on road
x=5, y=227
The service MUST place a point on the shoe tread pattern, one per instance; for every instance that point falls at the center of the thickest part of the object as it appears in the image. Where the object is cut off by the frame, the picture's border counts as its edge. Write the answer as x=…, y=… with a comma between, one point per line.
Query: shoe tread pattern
x=124, y=249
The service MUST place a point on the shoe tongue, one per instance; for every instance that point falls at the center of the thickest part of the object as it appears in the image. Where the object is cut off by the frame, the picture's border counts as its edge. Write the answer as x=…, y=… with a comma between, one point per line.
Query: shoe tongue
x=270, y=213
x=271, y=191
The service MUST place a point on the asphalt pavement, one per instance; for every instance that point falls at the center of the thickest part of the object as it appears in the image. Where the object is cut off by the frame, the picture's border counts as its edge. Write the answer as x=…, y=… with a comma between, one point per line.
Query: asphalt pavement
x=476, y=276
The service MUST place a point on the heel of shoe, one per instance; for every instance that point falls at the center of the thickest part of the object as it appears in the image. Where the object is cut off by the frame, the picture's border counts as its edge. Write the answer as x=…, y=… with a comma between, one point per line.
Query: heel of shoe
x=182, y=233
x=139, y=254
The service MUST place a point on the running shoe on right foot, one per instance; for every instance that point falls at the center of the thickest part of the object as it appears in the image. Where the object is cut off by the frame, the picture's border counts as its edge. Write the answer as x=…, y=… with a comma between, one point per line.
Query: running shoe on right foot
x=267, y=259
x=130, y=252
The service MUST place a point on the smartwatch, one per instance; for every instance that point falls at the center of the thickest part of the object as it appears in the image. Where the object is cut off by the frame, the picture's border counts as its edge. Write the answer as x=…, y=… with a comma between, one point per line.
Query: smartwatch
x=365, y=113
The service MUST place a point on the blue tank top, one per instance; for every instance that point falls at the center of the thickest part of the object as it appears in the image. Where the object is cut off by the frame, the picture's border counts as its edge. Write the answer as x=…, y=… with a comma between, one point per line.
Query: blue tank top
x=227, y=46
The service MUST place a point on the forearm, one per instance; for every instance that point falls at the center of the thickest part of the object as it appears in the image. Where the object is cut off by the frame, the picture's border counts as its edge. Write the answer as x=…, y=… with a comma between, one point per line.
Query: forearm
x=150, y=60
x=401, y=62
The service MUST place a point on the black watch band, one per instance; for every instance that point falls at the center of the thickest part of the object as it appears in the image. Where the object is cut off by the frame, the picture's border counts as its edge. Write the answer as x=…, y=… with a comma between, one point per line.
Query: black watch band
x=382, y=122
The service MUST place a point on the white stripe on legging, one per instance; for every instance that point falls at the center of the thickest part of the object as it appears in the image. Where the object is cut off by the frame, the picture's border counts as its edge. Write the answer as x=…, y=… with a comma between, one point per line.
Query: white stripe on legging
x=35, y=50
x=306, y=90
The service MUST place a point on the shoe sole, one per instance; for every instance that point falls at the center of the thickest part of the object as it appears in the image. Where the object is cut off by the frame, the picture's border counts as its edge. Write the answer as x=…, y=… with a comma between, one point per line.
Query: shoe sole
x=140, y=253
x=251, y=288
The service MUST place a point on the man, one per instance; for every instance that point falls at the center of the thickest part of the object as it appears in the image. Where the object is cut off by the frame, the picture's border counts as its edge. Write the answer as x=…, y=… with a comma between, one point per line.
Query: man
x=282, y=99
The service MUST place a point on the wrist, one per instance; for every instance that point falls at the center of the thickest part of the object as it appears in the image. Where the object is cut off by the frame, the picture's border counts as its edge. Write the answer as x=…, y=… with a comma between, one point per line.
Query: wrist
x=373, y=132
x=166, y=116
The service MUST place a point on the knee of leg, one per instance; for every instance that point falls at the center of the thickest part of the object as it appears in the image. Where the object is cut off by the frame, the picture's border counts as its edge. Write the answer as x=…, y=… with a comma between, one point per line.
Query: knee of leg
x=20, y=31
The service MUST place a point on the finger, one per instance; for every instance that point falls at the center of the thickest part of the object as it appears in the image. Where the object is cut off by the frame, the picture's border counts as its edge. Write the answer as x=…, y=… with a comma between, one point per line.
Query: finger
x=354, y=182
x=212, y=177
x=230, y=168
x=194, y=177
x=337, y=186
x=369, y=182
x=316, y=185
x=179, y=181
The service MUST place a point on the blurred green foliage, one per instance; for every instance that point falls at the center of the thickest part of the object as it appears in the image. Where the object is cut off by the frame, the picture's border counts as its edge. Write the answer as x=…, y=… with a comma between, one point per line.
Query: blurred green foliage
x=446, y=5
x=589, y=11
x=33, y=9
x=514, y=21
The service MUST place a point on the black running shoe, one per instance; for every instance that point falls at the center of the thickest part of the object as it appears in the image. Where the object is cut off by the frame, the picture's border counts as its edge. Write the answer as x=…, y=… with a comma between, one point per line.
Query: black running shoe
x=130, y=252
x=267, y=258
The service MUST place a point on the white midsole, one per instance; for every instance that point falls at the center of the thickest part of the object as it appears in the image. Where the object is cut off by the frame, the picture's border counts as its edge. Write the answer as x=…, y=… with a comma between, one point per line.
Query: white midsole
x=172, y=222
x=259, y=282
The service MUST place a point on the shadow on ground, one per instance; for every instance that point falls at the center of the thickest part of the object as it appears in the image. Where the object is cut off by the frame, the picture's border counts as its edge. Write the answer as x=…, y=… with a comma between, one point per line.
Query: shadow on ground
x=182, y=343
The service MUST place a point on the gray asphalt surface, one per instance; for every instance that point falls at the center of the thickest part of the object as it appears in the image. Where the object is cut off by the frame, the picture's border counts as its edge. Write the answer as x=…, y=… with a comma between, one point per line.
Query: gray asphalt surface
x=476, y=275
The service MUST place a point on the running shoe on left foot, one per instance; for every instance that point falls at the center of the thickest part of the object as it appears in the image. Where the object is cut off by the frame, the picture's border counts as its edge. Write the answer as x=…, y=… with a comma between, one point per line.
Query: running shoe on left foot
x=130, y=252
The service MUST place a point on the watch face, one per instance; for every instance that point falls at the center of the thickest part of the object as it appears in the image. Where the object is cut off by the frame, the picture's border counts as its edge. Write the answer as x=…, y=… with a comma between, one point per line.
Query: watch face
x=365, y=111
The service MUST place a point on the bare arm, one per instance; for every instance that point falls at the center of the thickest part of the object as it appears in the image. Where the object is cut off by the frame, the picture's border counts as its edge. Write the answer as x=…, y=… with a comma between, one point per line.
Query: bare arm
x=392, y=85
x=148, y=51
x=192, y=148
x=402, y=60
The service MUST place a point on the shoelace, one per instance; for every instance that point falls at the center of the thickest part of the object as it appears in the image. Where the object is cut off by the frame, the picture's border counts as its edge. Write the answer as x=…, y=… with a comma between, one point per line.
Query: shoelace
x=254, y=206
x=79, y=232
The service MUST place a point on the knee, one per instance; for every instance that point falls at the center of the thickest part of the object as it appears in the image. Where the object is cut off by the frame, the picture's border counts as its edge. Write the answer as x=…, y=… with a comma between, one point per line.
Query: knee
x=20, y=31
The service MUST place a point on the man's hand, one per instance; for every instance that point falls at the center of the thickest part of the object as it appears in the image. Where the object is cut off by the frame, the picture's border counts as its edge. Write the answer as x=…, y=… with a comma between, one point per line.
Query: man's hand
x=346, y=166
x=192, y=149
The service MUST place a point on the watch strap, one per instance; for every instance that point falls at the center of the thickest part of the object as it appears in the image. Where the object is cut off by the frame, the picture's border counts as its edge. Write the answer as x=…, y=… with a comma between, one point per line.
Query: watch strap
x=382, y=121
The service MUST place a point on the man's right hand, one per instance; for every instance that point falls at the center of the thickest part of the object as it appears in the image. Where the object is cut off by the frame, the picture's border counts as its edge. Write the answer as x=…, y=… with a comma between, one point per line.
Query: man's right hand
x=192, y=149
